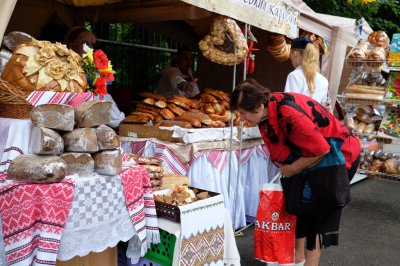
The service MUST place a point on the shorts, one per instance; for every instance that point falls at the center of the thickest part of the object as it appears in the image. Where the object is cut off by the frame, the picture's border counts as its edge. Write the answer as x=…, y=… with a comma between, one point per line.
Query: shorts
x=325, y=224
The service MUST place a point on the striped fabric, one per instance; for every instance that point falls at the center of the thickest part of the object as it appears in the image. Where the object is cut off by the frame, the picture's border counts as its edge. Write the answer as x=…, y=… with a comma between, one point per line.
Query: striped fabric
x=218, y=158
x=70, y=98
x=140, y=203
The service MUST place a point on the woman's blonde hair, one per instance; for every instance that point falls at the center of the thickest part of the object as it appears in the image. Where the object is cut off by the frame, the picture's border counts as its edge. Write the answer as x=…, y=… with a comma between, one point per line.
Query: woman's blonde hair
x=310, y=64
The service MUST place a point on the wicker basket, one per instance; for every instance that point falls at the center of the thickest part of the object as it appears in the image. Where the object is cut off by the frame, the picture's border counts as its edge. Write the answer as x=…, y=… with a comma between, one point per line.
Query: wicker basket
x=12, y=101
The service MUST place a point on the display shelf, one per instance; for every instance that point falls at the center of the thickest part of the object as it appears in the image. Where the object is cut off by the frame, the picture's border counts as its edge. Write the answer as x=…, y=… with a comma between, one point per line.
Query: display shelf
x=358, y=62
x=381, y=139
x=380, y=175
x=351, y=100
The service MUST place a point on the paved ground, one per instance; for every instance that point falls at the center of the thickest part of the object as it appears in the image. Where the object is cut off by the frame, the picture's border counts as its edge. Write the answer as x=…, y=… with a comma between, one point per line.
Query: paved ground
x=370, y=229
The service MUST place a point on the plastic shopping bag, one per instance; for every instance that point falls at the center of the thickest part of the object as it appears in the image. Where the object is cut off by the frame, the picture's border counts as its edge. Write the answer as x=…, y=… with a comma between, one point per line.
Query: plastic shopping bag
x=274, y=235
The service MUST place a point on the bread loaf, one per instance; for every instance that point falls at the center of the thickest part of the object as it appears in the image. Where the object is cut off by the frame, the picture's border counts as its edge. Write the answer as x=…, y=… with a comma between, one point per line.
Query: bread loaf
x=208, y=109
x=208, y=98
x=137, y=113
x=81, y=140
x=170, y=180
x=187, y=101
x=152, y=95
x=180, y=103
x=78, y=163
x=218, y=94
x=364, y=89
x=45, y=141
x=37, y=169
x=366, y=96
x=149, y=101
x=171, y=123
x=203, y=118
x=143, y=110
x=153, y=168
x=107, y=138
x=175, y=109
x=167, y=114
x=160, y=104
x=42, y=65
x=146, y=160
x=379, y=39
x=193, y=121
x=54, y=116
x=140, y=119
x=221, y=118
x=93, y=113
x=108, y=162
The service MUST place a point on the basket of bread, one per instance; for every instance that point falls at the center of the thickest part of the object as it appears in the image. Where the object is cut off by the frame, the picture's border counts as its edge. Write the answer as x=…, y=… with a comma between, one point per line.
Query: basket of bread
x=372, y=52
x=168, y=201
x=38, y=66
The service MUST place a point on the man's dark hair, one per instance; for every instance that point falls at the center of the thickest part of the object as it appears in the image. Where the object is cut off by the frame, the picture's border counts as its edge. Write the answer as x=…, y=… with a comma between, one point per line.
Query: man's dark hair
x=74, y=33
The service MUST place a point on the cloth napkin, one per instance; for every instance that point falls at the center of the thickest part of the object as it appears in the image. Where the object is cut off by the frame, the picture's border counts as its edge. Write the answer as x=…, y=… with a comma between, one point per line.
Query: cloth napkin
x=140, y=203
x=33, y=218
x=70, y=98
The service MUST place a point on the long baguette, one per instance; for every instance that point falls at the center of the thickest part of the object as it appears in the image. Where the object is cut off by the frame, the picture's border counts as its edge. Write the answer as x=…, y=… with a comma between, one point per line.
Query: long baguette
x=170, y=123
x=193, y=121
x=175, y=109
x=365, y=89
x=187, y=101
x=203, y=118
x=364, y=96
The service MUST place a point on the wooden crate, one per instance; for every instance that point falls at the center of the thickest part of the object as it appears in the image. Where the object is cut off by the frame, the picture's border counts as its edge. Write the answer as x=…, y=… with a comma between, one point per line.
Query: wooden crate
x=143, y=131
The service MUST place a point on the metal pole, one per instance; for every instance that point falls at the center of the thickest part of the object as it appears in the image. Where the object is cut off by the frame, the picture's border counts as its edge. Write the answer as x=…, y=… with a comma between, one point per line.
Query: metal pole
x=138, y=46
x=240, y=143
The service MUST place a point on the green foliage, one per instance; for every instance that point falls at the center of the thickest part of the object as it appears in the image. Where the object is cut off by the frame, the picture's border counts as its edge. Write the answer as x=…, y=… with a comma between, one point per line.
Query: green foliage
x=380, y=14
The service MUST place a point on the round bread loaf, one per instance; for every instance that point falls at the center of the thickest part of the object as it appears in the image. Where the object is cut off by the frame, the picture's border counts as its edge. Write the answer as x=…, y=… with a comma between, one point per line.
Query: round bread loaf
x=379, y=39
x=42, y=65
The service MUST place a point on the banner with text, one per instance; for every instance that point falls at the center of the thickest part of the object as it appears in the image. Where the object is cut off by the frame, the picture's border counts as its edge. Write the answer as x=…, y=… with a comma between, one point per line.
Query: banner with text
x=271, y=15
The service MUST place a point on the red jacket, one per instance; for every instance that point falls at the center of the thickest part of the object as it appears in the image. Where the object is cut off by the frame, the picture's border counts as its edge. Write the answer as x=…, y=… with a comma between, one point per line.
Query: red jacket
x=289, y=134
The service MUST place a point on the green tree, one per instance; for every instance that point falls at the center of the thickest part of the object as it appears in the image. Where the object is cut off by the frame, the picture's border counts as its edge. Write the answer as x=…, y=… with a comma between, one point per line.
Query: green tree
x=380, y=14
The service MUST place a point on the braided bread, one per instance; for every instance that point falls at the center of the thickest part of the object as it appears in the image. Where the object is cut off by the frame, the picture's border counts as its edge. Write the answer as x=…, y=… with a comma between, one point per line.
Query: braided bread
x=219, y=28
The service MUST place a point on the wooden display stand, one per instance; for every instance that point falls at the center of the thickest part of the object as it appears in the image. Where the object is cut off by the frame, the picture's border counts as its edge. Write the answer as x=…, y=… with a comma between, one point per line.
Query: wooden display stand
x=108, y=257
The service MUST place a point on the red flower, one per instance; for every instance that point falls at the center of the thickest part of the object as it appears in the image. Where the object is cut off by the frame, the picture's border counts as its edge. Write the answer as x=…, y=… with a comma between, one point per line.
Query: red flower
x=107, y=76
x=100, y=86
x=100, y=59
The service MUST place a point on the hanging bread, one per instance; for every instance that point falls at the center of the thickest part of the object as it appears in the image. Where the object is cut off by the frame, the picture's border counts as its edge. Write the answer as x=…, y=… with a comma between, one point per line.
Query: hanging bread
x=217, y=36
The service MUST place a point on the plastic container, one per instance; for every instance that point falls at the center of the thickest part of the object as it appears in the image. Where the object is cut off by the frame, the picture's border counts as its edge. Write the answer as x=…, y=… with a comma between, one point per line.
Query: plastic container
x=162, y=253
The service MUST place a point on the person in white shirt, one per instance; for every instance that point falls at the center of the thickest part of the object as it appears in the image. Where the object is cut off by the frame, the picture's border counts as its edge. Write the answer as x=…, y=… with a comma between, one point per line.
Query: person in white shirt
x=306, y=79
x=178, y=77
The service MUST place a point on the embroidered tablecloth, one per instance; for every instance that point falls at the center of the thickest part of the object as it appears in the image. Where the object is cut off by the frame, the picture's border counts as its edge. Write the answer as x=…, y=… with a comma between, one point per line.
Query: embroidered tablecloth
x=33, y=218
x=229, y=249
x=100, y=215
x=209, y=169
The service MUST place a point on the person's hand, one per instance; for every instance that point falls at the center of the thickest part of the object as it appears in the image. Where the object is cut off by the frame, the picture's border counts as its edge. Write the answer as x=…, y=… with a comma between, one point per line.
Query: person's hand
x=287, y=170
x=191, y=88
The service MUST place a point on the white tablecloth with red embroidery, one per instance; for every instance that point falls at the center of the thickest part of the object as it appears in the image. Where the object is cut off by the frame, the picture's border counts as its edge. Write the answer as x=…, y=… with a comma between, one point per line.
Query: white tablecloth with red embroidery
x=209, y=169
x=101, y=211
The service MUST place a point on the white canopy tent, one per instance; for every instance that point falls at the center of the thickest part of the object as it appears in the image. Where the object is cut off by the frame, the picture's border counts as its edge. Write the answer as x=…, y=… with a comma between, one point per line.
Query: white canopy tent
x=339, y=32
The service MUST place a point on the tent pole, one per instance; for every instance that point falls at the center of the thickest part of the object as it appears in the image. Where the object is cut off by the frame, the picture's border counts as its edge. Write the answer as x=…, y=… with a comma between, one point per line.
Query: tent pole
x=240, y=143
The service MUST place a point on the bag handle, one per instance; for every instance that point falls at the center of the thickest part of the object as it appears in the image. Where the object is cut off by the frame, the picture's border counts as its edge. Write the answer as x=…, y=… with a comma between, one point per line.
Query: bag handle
x=276, y=177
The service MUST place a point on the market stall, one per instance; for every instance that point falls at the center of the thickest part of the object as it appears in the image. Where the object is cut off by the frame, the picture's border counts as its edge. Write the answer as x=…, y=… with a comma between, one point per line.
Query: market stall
x=252, y=155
